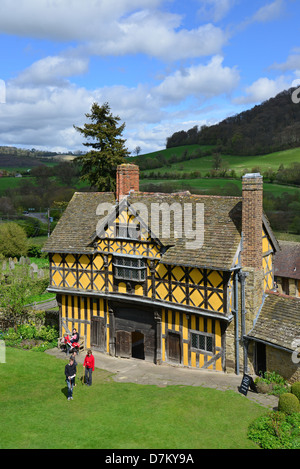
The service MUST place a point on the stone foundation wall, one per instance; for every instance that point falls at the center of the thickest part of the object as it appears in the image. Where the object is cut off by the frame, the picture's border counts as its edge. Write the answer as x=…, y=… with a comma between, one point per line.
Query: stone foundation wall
x=281, y=362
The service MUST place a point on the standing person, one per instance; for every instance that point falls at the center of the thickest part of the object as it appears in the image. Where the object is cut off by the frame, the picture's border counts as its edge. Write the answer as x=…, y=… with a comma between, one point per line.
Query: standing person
x=73, y=355
x=70, y=372
x=89, y=364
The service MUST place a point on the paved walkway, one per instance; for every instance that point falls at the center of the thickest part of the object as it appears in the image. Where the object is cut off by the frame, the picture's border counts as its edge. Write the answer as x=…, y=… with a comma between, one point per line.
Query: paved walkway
x=142, y=372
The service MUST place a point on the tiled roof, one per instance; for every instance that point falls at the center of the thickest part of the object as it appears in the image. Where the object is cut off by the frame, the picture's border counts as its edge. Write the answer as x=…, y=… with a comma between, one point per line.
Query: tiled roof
x=78, y=222
x=278, y=322
x=222, y=227
x=287, y=260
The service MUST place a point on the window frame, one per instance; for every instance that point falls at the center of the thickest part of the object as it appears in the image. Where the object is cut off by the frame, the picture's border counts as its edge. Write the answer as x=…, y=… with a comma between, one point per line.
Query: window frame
x=140, y=269
x=122, y=231
x=206, y=336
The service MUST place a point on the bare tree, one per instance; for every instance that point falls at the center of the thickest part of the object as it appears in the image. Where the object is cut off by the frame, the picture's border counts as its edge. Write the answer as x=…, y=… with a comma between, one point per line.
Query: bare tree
x=137, y=150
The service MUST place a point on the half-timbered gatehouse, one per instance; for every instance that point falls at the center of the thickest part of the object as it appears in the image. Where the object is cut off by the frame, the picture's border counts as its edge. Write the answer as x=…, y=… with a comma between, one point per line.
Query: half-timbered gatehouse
x=175, y=278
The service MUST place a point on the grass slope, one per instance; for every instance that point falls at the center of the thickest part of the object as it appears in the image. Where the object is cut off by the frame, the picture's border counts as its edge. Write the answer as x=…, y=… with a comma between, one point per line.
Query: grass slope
x=238, y=163
x=36, y=414
x=206, y=185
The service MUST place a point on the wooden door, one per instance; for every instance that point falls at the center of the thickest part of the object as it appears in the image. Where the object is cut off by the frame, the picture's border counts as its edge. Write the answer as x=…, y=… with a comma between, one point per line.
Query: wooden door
x=174, y=348
x=123, y=344
x=98, y=336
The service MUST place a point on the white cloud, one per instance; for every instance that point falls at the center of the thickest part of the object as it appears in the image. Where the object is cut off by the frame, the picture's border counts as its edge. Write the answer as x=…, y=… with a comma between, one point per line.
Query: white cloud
x=215, y=9
x=269, y=12
x=291, y=63
x=43, y=116
x=203, y=81
x=65, y=20
x=111, y=28
x=262, y=89
x=158, y=35
x=52, y=70
x=129, y=27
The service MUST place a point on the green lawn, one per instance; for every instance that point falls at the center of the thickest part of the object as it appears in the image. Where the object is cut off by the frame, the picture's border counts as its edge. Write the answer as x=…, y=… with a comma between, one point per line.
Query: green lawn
x=35, y=412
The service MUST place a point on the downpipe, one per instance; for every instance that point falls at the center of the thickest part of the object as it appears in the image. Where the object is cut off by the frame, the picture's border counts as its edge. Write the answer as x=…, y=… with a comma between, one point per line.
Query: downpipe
x=243, y=276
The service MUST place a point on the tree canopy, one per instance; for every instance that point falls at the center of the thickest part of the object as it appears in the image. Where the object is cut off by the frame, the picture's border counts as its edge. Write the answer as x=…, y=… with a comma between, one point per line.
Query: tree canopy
x=103, y=135
x=271, y=126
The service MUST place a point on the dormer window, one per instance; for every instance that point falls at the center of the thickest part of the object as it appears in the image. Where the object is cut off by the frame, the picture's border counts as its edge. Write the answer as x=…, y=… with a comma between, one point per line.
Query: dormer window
x=129, y=268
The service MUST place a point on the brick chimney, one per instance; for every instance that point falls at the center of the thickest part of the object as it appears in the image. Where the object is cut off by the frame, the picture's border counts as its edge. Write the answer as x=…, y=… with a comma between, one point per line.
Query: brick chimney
x=252, y=211
x=127, y=180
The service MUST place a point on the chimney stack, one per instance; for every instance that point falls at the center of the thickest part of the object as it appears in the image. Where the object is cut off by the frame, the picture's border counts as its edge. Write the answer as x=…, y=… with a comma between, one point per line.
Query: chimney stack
x=252, y=212
x=127, y=180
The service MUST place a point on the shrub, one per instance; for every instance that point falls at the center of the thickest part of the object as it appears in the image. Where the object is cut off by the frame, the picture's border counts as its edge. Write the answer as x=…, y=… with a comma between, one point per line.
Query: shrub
x=13, y=240
x=288, y=403
x=276, y=430
x=26, y=331
x=47, y=333
x=272, y=383
x=30, y=337
x=34, y=251
x=295, y=389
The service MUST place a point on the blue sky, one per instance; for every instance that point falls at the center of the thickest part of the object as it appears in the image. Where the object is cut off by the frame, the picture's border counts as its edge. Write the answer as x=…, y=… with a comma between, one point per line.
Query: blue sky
x=162, y=65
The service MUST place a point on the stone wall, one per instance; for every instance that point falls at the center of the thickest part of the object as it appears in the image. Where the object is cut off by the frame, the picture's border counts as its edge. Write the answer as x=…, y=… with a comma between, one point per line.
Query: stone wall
x=253, y=299
x=294, y=286
x=281, y=362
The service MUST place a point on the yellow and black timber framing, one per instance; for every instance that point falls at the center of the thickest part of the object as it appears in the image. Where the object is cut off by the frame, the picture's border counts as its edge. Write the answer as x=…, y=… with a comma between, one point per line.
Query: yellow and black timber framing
x=146, y=296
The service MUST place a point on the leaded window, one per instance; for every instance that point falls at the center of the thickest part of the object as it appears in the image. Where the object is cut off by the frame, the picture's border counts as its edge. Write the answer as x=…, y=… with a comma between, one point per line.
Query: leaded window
x=202, y=341
x=129, y=268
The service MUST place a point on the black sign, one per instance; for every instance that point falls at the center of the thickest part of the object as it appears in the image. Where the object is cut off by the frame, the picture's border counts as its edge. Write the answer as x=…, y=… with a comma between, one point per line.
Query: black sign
x=247, y=382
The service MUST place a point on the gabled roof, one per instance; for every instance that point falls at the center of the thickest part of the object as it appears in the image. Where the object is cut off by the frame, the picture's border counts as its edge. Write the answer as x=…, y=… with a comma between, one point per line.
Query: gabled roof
x=222, y=230
x=278, y=323
x=72, y=232
x=287, y=260
x=76, y=231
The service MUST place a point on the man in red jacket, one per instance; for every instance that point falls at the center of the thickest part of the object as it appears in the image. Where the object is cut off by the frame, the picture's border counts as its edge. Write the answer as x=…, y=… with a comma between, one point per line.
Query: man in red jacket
x=89, y=364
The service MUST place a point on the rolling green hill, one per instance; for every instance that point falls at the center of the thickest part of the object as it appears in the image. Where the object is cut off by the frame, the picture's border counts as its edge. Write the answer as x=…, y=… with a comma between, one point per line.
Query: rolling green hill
x=205, y=163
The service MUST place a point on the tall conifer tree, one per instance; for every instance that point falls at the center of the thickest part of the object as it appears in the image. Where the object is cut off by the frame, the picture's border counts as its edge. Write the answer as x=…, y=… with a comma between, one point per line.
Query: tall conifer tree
x=103, y=133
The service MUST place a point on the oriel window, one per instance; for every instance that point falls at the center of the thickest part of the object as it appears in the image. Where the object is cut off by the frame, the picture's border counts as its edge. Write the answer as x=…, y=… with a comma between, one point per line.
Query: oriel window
x=129, y=268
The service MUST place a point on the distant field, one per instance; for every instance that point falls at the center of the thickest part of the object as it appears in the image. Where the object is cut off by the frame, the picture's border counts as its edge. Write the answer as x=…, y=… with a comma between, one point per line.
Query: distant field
x=12, y=182
x=168, y=152
x=204, y=165
x=238, y=163
x=207, y=184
